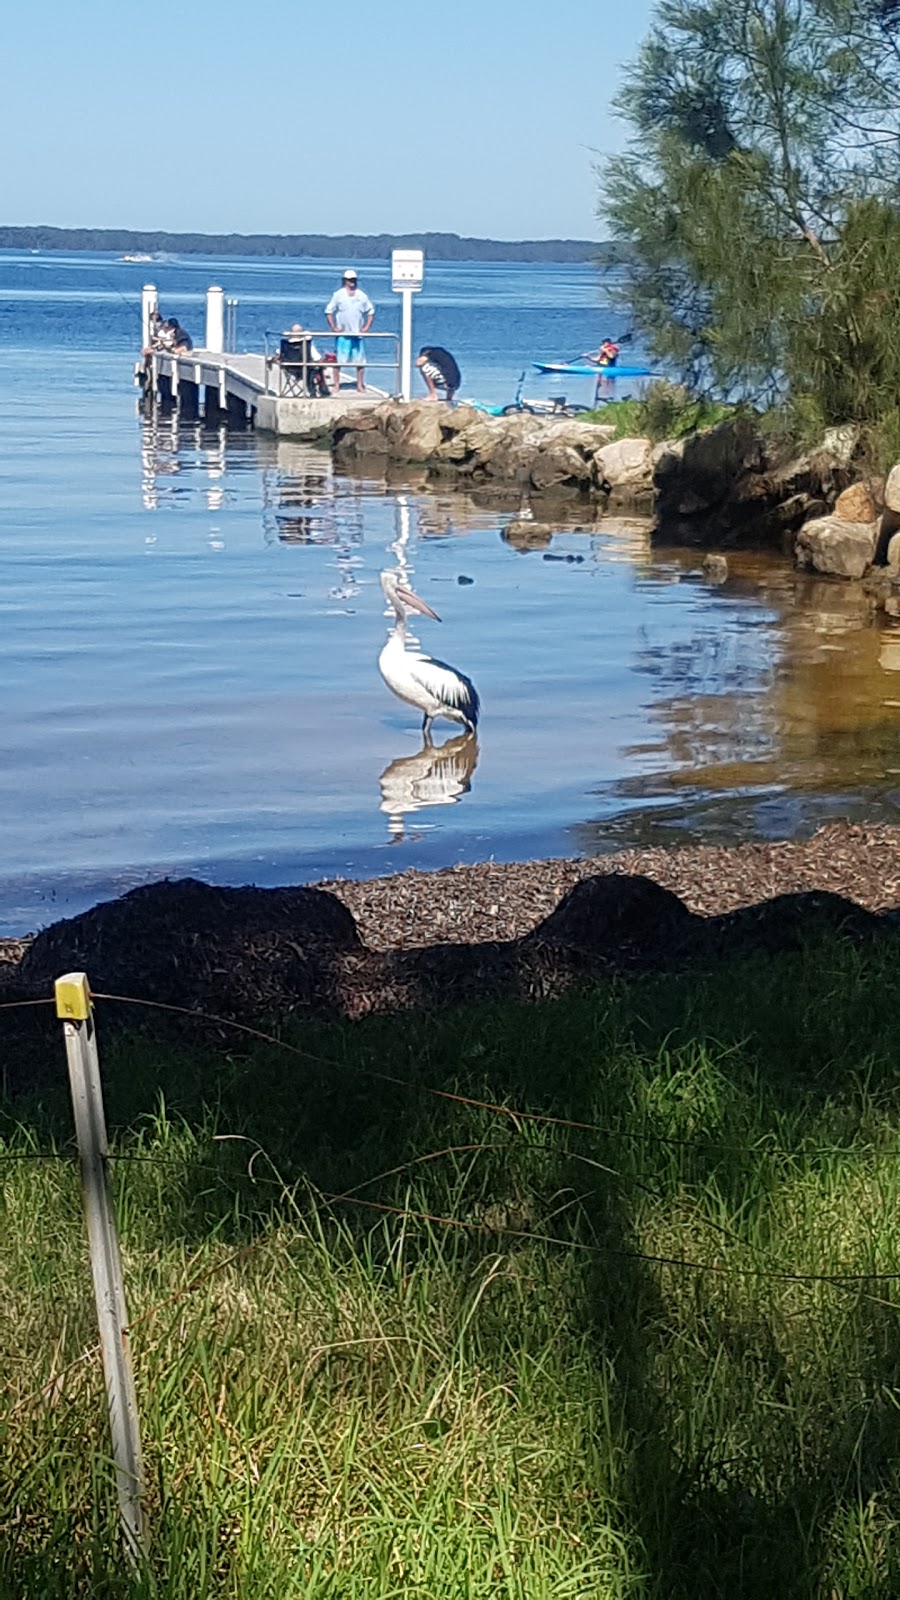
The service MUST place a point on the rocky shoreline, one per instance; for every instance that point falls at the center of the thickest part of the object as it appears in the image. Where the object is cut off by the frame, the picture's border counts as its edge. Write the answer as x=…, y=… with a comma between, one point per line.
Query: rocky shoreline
x=717, y=490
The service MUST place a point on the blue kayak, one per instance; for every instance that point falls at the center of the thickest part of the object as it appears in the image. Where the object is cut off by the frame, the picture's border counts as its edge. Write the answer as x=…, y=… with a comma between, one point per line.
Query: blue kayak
x=584, y=369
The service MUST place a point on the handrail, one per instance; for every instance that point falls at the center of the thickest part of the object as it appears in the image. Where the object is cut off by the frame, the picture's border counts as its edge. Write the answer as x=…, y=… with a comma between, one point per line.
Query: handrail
x=304, y=364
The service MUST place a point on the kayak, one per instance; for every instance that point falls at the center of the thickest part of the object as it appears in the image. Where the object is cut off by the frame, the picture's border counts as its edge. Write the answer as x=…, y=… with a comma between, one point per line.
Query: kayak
x=583, y=369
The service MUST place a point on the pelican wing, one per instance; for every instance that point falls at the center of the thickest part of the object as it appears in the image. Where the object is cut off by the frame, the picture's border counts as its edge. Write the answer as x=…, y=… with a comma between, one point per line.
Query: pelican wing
x=450, y=687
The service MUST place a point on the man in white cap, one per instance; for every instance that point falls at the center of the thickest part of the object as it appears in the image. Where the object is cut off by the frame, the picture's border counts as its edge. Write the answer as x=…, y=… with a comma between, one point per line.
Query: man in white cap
x=350, y=314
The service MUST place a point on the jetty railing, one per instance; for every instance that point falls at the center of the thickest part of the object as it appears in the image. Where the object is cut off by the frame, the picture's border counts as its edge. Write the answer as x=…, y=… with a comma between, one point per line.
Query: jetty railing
x=276, y=368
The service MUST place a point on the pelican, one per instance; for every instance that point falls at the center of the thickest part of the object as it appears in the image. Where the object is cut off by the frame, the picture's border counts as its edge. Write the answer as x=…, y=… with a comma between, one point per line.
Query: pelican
x=424, y=682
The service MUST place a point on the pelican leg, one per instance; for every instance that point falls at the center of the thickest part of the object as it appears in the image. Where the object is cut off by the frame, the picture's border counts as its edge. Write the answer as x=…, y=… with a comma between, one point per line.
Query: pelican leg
x=426, y=728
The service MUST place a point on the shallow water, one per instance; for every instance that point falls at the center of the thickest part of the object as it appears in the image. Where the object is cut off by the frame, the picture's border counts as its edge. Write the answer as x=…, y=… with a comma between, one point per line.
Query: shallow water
x=191, y=622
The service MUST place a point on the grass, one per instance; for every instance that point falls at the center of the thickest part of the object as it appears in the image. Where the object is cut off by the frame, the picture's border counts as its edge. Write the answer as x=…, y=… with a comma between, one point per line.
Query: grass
x=665, y=411
x=433, y=1400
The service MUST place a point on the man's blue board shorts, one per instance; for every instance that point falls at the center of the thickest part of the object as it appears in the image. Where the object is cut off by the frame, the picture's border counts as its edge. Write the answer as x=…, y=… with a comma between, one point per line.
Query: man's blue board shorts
x=351, y=352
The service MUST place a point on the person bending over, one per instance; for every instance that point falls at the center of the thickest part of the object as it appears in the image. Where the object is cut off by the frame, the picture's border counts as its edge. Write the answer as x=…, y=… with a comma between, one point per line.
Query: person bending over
x=439, y=370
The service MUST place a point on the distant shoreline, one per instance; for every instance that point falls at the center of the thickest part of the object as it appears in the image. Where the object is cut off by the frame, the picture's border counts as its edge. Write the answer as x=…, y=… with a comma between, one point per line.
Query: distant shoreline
x=363, y=246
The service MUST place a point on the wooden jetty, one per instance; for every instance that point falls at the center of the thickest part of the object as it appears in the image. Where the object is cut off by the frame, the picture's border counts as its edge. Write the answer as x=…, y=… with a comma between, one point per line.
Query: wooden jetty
x=249, y=389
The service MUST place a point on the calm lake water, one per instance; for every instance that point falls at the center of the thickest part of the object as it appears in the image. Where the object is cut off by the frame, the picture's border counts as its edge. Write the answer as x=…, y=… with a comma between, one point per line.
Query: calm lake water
x=191, y=622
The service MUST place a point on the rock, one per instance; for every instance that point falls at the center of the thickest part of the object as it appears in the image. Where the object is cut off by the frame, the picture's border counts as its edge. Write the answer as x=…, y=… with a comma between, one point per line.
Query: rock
x=715, y=569
x=830, y=545
x=413, y=432
x=584, y=436
x=625, y=464
x=557, y=464
x=696, y=475
x=892, y=489
x=839, y=445
x=893, y=555
x=358, y=437
x=729, y=486
x=855, y=504
x=524, y=534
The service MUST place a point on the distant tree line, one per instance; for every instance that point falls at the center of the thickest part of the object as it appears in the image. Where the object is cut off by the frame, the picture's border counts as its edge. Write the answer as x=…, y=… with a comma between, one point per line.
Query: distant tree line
x=368, y=246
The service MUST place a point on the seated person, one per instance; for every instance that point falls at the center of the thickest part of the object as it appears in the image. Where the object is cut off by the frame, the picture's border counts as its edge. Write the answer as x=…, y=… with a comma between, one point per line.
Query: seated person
x=438, y=368
x=171, y=337
x=155, y=327
x=298, y=352
x=181, y=339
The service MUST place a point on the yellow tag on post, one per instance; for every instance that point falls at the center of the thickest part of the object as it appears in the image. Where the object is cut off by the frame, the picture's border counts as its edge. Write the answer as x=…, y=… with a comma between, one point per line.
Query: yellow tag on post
x=73, y=997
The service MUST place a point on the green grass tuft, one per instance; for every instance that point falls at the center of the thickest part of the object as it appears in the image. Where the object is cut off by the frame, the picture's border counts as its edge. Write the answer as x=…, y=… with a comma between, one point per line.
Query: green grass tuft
x=506, y=1384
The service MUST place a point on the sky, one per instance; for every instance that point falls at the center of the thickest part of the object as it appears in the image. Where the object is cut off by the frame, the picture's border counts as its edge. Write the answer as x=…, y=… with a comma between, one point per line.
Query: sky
x=481, y=117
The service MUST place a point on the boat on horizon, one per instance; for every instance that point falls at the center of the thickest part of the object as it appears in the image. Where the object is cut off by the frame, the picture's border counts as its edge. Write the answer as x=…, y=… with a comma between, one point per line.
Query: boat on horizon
x=138, y=257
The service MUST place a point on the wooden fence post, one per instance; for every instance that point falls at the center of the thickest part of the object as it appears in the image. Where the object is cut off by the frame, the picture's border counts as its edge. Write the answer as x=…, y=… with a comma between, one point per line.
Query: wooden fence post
x=74, y=1007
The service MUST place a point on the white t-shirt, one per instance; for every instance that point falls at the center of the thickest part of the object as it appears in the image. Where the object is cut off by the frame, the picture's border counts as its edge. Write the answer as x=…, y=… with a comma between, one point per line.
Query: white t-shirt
x=350, y=311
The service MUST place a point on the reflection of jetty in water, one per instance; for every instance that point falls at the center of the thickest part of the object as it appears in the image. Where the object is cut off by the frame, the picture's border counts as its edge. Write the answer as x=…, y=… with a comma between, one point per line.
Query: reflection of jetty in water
x=300, y=507
x=436, y=776
x=172, y=451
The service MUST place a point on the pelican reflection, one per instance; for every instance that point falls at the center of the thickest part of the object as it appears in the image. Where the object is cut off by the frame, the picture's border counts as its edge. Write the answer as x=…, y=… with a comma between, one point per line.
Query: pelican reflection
x=438, y=775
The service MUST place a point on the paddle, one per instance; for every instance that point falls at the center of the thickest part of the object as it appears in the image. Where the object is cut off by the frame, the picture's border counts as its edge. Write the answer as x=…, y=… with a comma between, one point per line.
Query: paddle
x=588, y=355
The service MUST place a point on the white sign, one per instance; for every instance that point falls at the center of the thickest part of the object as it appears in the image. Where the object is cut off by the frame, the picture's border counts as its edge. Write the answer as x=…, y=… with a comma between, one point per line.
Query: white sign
x=407, y=270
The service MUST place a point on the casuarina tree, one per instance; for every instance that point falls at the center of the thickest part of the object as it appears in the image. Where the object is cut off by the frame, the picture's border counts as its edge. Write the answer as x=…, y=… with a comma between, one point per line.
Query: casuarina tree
x=760, y=200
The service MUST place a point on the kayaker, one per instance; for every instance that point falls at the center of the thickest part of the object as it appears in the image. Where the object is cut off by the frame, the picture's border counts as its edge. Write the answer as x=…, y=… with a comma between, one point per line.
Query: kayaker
x=608, y=354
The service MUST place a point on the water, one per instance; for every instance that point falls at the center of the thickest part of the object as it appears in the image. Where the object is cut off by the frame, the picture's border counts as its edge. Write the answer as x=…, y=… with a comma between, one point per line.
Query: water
x=191, y=621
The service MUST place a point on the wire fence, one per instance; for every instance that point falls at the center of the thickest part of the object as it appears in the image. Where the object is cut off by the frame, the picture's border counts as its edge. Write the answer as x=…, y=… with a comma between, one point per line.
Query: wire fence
x=117, y=1329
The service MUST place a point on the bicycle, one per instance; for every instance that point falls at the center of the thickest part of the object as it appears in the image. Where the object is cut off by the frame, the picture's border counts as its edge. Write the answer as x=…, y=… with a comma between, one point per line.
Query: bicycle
x=554, y=406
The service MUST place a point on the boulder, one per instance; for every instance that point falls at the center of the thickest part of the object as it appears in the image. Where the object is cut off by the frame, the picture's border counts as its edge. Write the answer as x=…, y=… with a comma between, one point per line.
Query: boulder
x=359, y=444
x=715, y=569
x=855, y=504
x=729, y=486
x=558, y=464
x=413, y=431
x=625, y=464
x=480, y=437
x=525, y=534
x=697, y=475
x=842, y=549
x=584, y=436
x=892, y=489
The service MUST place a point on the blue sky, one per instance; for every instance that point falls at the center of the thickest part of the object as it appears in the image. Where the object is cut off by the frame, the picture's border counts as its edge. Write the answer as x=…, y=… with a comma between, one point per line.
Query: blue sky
x=475, y=116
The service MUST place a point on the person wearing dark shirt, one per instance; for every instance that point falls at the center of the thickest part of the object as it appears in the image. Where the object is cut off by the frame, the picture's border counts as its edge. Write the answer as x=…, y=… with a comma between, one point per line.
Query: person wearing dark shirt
x=439, y=370
x=181, y=339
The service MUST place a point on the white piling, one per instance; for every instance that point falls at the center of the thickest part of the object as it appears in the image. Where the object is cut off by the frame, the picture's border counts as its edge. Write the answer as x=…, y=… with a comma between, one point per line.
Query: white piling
x=406, y=346
x=74, y=1007
x=215, y=320
x=149, y=304
x=407, y=272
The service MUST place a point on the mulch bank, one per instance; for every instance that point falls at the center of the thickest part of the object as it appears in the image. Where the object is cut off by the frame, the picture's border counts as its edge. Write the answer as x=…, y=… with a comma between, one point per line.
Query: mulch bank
x=490, y=901
x=346, y=949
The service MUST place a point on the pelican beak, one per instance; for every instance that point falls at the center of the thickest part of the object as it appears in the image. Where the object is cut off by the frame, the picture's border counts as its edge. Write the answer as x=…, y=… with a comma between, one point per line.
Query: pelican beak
x=413, y=602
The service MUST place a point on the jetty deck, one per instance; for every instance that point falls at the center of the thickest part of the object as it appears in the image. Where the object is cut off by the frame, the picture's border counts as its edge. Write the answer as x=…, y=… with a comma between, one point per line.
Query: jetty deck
x=242, y=389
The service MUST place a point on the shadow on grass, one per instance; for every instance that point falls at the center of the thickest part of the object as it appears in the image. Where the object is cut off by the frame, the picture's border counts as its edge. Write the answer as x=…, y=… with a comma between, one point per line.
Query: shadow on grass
x=742, y=1119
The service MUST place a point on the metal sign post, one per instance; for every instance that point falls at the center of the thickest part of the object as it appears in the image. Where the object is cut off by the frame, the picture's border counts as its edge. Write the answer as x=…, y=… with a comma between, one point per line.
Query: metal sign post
x=407, y=272
x=149, y=305
x=73, y=1006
